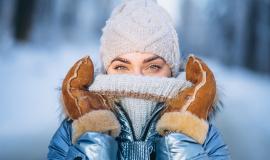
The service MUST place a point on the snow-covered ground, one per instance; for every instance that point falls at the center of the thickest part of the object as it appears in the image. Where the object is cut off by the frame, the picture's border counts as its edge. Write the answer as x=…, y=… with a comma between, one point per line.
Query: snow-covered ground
x=31, y=76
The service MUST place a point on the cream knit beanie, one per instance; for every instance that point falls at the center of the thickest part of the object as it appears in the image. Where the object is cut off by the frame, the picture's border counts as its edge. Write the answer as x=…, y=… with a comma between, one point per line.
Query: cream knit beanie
x=140, y=26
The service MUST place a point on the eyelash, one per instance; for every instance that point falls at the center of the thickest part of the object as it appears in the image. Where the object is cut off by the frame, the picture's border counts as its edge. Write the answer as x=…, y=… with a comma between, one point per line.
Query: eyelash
x=119, y=66
x=154, y=65
x=151, y=66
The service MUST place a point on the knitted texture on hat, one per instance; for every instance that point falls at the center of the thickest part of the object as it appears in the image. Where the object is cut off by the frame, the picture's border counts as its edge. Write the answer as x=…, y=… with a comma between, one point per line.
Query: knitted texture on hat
x=140, y=26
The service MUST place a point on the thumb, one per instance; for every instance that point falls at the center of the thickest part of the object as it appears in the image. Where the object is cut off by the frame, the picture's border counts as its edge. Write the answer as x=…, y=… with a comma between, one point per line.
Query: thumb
x=194, y=70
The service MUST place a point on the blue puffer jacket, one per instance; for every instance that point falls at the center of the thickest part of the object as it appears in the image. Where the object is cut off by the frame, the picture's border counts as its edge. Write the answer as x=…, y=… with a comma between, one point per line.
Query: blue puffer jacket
x=150, y=145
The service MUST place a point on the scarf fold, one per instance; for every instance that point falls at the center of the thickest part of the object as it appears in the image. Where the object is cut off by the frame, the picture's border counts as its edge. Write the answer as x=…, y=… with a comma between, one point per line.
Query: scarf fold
x=138, y=95
x=139, y=111
x=143, y=87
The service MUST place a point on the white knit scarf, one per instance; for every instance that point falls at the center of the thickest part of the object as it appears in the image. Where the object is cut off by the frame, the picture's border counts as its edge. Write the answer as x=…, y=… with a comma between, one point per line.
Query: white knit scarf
x=138, y=95
x=139, y=111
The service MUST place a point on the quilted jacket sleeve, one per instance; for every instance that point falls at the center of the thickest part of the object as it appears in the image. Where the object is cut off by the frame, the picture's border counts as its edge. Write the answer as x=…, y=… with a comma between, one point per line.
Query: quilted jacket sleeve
x=91, y=145
x=177, y=146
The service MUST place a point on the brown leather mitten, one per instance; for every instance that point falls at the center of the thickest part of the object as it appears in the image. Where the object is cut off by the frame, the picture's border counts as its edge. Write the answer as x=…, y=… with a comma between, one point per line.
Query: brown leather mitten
x=188, y=111
x=89, y=111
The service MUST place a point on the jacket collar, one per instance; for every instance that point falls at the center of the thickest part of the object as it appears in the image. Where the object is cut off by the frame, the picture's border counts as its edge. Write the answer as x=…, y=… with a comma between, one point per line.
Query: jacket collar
x=127, y=131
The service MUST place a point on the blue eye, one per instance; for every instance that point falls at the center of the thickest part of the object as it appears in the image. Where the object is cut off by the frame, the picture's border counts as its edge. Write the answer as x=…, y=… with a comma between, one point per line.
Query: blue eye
x=155, y=67
x=119, y=67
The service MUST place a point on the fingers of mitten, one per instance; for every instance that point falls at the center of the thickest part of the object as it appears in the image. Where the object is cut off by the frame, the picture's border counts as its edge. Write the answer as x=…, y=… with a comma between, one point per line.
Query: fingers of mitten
x=204, y=67
x=195, y=69
x=103, y=121
x=210, y=79
x=74, y=85
x=205, y=86
x=206, y=89
x=86, y=72
x=81, y=75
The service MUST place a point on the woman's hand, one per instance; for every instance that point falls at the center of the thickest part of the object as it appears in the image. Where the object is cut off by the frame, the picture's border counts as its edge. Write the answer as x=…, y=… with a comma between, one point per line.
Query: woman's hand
x=188, y=111
x=90, y=111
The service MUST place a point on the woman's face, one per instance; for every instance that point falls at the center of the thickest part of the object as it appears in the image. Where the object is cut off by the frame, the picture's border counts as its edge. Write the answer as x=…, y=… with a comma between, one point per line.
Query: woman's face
x=137, y=63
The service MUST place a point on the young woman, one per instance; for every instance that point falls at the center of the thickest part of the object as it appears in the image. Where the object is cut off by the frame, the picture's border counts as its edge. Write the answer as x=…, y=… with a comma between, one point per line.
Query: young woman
x=140, y=106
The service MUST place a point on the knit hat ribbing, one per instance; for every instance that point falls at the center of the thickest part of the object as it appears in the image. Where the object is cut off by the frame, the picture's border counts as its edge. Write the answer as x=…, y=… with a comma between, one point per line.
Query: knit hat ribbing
x=140, y=26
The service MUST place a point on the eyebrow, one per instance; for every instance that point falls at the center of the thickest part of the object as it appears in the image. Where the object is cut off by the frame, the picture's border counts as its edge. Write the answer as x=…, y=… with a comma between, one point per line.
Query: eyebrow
x=144, y=61
x=121, y=60
x=152, y=58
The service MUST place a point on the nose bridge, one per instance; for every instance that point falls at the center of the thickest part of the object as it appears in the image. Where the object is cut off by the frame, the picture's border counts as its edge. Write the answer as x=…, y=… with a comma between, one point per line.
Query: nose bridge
x=137, y=71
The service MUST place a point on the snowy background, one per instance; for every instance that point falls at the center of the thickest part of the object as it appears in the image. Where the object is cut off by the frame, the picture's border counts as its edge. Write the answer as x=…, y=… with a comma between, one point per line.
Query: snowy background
x=35, y=55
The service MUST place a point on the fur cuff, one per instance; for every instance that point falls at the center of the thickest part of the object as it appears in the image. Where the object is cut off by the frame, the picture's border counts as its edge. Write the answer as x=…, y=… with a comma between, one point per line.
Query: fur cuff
x=183, y=122
x=96, y=121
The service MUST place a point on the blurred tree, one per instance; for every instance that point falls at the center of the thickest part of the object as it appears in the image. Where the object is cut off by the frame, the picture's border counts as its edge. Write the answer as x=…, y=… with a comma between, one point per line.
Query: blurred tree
x=234, y=32
x=24, y=10
x=256, y=36
x=250, y=35
x=70, y=21
x=263, y=40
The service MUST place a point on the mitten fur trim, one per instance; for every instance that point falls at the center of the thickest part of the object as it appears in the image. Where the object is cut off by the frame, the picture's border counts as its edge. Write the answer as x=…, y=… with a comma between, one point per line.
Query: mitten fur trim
x=183, y=122
x=96, y=121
